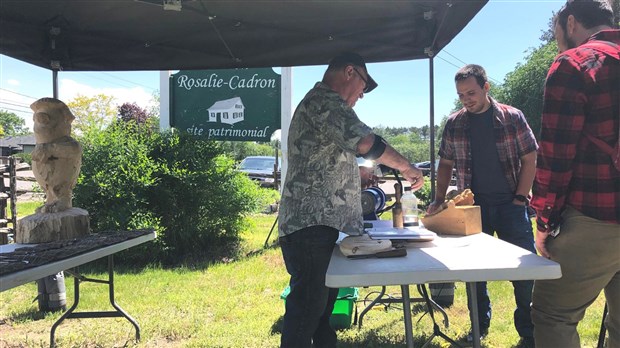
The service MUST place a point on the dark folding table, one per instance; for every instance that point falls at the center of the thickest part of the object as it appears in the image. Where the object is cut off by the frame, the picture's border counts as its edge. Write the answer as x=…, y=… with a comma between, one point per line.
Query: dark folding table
x=23, y=263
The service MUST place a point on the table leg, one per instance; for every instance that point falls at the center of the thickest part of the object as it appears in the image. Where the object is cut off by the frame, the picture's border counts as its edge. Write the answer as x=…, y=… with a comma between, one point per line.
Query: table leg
x=71, y=314
x=473, y=313
x=369, y=307
x=119, y=310
x=407, y=315
x=76, y=301
x=389, y=300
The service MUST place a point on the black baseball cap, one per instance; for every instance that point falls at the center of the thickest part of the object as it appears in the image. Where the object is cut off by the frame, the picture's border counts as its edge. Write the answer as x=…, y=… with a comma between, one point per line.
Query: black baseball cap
x=351, y=58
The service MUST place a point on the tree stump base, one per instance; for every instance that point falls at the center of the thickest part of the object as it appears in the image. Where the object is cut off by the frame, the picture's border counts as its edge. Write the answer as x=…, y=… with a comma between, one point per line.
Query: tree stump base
x=52, y=227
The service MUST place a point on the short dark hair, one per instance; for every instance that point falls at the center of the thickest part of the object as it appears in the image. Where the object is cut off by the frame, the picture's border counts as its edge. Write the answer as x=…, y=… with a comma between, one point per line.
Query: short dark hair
x=590, y=13
x=470, y=70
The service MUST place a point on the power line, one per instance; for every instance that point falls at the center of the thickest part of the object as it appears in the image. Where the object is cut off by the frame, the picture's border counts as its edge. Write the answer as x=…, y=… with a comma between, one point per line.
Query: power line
x=95, y=77
x=14, y=104
x=98, y=77
x=91, y=76
x=464, y=63
x=11, y=109
x=445, y=60
x=23, y=95
x=453, y=56
x=135, y=83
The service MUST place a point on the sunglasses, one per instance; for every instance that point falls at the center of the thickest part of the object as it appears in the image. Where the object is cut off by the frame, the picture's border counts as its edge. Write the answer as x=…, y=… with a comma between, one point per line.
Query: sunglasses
x=363, y=79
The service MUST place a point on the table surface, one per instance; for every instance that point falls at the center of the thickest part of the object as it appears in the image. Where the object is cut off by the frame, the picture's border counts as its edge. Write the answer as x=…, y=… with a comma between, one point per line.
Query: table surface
x=472, y=258
x=60, y=256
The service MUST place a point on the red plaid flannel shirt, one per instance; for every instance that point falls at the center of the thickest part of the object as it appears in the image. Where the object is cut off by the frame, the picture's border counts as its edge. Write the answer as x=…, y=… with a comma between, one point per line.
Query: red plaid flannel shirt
x=582, y=94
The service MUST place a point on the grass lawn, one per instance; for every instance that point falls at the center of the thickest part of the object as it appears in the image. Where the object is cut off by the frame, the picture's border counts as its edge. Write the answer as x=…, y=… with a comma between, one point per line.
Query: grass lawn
x=235, y=303
x=28, y=207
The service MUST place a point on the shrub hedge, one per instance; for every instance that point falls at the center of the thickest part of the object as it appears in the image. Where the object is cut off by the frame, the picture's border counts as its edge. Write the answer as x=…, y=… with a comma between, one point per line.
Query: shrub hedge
x=186, y=189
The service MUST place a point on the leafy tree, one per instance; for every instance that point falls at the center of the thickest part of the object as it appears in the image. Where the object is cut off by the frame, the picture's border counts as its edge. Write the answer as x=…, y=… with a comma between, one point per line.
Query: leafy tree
x=92, y=114
x=239, y=150
x=425, y=132
x=408, y=141
x=412, y=142
x=523, y=87
x=132, y=112
x=153, y=108
x=548, y=35
x=12, y=124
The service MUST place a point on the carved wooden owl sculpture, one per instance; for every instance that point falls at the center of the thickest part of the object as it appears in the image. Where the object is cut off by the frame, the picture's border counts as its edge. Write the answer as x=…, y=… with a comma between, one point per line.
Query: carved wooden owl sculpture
x=57, y=157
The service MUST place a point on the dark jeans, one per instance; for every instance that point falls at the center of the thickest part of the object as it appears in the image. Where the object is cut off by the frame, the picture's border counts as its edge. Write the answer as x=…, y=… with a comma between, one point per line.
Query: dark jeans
x=512, y=224
x=310, y=303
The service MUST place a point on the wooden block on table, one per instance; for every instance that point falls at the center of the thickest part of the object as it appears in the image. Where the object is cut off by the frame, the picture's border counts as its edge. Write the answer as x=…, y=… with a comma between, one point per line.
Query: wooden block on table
x=455, y=220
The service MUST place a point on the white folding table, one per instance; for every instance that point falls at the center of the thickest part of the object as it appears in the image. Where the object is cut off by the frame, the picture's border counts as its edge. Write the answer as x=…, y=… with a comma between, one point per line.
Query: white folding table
x=469, y=259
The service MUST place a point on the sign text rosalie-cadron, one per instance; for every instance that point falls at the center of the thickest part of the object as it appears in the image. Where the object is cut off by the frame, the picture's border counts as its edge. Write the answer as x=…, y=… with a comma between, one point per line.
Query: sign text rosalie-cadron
x=235, y=82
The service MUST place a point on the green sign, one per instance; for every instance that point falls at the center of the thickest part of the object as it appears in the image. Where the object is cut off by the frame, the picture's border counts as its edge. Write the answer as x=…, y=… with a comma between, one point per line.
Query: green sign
x=236, y=104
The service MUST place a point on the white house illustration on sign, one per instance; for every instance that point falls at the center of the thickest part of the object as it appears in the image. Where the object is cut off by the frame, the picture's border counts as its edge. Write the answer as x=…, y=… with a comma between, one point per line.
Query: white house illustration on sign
x=228, y=111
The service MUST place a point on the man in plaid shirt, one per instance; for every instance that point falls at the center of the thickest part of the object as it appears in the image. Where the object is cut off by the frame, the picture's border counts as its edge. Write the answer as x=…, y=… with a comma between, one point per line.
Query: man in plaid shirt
x=577, y=188
x=494, y=151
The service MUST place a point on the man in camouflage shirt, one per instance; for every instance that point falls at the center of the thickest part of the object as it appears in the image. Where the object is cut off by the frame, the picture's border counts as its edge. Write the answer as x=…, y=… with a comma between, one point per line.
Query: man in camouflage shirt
x=322, y=193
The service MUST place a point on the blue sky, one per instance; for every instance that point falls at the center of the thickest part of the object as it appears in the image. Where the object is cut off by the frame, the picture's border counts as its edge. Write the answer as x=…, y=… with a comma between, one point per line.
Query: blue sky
x=498, y=38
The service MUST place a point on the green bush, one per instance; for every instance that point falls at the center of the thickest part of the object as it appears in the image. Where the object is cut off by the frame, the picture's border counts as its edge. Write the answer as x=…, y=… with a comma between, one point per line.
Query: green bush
x=116, y=174
x=24, y=157
x=184, y=188
x=267, y=196
x=424, y=194
x=200, y=196
x=242, y=149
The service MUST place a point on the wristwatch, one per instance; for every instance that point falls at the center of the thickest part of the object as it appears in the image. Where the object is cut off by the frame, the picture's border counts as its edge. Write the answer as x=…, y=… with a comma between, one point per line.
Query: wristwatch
x=522, y=198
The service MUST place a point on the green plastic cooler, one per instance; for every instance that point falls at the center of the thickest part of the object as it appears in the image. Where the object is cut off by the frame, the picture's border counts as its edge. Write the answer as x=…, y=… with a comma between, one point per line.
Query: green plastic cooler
x=343, y=308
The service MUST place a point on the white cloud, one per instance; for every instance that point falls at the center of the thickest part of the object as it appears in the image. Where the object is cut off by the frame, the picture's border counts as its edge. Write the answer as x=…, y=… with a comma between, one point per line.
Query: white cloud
x=69, y=89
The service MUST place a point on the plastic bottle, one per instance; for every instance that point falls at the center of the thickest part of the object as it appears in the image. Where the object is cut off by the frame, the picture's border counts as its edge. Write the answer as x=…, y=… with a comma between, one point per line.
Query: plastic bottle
x=410, y=208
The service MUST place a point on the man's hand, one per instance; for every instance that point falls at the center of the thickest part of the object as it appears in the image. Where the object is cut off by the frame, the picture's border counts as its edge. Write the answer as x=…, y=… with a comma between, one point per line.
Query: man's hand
x=414, y=176
x=541, y=237
x=433, y=206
